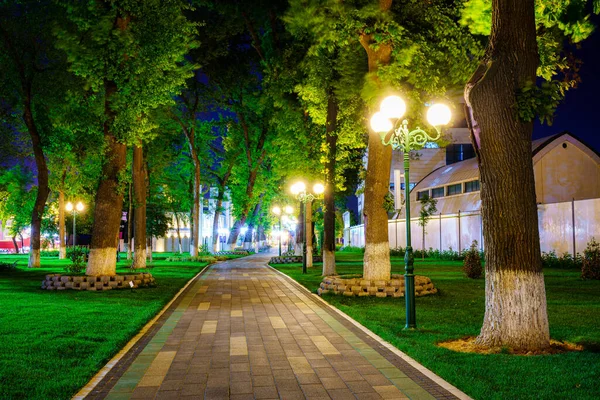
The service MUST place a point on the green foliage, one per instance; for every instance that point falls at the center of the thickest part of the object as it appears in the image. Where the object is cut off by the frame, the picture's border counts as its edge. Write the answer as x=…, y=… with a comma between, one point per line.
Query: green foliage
x=388, y=203
x=591, y=261
x=428, y=209
x=565, y=261
x=49, y=253
x=352, y=249
x=78, y=256
x=8, y=266
x=540, y=101
x=472, y=264
x=17, y=196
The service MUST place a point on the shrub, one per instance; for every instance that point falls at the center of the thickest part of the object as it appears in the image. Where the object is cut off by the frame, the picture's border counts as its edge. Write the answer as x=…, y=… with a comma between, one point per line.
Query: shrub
x=78, y=257
x=472, y=264
x=4, y=266
x=352, y=249
x=590, y=268
x=397, y=252
x=565, y=261
x=49, y=253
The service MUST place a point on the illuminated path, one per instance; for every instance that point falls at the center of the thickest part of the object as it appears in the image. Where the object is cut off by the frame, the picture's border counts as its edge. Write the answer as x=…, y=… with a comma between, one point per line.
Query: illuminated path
x=243, y=331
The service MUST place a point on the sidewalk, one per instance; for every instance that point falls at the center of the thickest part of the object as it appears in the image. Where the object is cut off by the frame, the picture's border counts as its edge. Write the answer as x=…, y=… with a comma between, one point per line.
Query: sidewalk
x=243, y=331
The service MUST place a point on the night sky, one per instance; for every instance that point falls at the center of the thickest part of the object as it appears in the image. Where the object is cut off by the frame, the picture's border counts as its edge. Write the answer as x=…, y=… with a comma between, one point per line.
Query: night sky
x=579, y=113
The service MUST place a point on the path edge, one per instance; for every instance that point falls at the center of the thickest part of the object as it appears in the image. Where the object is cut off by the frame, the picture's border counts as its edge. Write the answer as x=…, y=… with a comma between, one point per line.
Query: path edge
x=97, y=378
x=425, y=371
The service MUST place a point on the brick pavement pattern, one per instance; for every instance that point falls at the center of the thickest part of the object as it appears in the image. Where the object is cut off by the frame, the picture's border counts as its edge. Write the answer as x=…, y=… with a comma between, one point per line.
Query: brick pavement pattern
x=243, y=331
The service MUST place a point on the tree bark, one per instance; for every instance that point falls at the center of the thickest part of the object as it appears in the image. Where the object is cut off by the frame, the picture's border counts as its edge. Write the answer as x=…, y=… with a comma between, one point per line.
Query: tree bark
x=308, y=229
x=329, y=195
x=43, y=190
x=515, y=314
x=299, y=247
x=235, y=231
x=215, y=230
x=139, y=193
x=377, y=249
x=195, y=222
x=109, y=200
x=62, y=243
x=129, y=224
x=14, y=239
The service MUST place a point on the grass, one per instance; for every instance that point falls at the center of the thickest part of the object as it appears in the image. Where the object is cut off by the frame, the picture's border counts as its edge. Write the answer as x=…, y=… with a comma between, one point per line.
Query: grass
x=457, y=311
x=53, y=342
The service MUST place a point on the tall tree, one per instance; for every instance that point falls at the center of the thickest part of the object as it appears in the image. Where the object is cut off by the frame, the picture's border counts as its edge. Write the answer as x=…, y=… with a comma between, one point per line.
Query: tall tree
x=139, y=195
x=27, y=50
x=499, y=97
x=132, y=57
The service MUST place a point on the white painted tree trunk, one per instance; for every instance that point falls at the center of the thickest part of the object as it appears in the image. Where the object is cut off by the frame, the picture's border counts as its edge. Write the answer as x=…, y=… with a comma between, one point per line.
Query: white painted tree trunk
x=377, y=264
x=328, y=262
x=515, y=311
x=102, y=261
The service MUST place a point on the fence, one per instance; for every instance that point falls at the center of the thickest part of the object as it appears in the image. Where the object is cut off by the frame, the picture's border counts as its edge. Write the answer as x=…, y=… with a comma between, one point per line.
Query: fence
x=564, y=227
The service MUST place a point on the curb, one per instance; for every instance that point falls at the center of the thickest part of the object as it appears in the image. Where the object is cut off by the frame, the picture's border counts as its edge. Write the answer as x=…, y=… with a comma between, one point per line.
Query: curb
x=87, y=389
x=428, y=373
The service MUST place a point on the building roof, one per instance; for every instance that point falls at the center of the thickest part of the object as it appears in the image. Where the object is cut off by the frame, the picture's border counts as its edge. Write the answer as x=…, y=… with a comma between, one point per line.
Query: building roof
x=469, y=169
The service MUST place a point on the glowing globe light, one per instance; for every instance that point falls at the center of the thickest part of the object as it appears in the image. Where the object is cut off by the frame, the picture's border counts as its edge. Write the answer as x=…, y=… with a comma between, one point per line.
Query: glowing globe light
x=439, y=114
x=381, y=123
x=298, y=187
x=318, y=188
x=276, y=210
x=393, y=107
x=79, y=206
x=289, y=209
x=69, y=206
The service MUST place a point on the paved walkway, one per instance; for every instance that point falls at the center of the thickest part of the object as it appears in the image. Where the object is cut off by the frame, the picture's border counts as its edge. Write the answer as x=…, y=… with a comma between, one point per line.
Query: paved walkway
x=243, y=331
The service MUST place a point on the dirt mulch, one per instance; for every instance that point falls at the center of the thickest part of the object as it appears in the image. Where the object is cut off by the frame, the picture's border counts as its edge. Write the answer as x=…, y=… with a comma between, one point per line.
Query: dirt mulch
x=468, y=345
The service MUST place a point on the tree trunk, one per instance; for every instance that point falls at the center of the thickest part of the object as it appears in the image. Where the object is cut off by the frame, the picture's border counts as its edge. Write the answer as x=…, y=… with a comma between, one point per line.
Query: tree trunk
x=309, y=235
x=14, y=239
x=423, y=244
x=43, y=189
x=149, y=247
x=179, y=234
x=195, y=222
x=377, y=248
x=235, y=232
x=329, y=195
x=109, y=200
x=248, y=237
x=139, y=194
x=129, y=224
x=62, y=243
x=515, y=313
x=215, y=230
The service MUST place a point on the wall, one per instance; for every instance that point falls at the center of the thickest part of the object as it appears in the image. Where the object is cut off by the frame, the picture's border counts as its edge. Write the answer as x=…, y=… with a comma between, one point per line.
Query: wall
x=564, y=227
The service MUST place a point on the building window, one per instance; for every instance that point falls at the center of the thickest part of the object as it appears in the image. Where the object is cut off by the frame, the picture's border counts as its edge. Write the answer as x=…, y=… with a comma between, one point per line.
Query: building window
x=472, y=186
x=454, y=189
x=459, y=152
x=410, y=186
x=422, y=195
x=437, y=192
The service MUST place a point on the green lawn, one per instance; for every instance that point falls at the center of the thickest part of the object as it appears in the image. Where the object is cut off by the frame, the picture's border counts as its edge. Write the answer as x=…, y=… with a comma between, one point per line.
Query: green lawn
x=53, y=342
x=457, y=311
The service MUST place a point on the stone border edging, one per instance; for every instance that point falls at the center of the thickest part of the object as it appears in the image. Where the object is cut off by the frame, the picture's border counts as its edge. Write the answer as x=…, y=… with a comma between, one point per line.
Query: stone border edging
x=427, y=372
x=87, y=389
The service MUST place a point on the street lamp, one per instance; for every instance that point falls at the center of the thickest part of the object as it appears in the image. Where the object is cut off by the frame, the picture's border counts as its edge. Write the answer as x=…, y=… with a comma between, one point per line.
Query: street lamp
x=78, y=208
x=299, y=190
x=401, y=138
x=277, y=211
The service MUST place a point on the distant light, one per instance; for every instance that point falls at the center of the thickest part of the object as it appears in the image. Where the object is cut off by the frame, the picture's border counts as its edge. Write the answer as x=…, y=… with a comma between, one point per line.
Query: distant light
x=69, y=206
x=289, y=209
x=276, y=210
x=439, y=114
x=393, y=107
x=298, y=187
x=79, y=206
x=380, y=123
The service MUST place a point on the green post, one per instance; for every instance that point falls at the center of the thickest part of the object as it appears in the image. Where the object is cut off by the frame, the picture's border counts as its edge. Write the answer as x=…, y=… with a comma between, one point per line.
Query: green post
x=74, y=228
x=304, y=237
x=409, y=276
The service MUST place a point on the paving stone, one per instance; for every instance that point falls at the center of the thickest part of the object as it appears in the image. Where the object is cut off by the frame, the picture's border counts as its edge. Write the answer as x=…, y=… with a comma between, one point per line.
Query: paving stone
x=241, y=331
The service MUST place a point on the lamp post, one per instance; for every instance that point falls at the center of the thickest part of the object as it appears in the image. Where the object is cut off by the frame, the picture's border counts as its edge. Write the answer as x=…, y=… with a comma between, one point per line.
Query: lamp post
x=406, y=140
x=299, y=190
x=78, y=208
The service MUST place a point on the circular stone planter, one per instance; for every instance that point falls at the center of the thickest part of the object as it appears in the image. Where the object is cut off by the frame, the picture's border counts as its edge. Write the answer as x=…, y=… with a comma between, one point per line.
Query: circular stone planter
x=97, y=283
x=364, y=287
